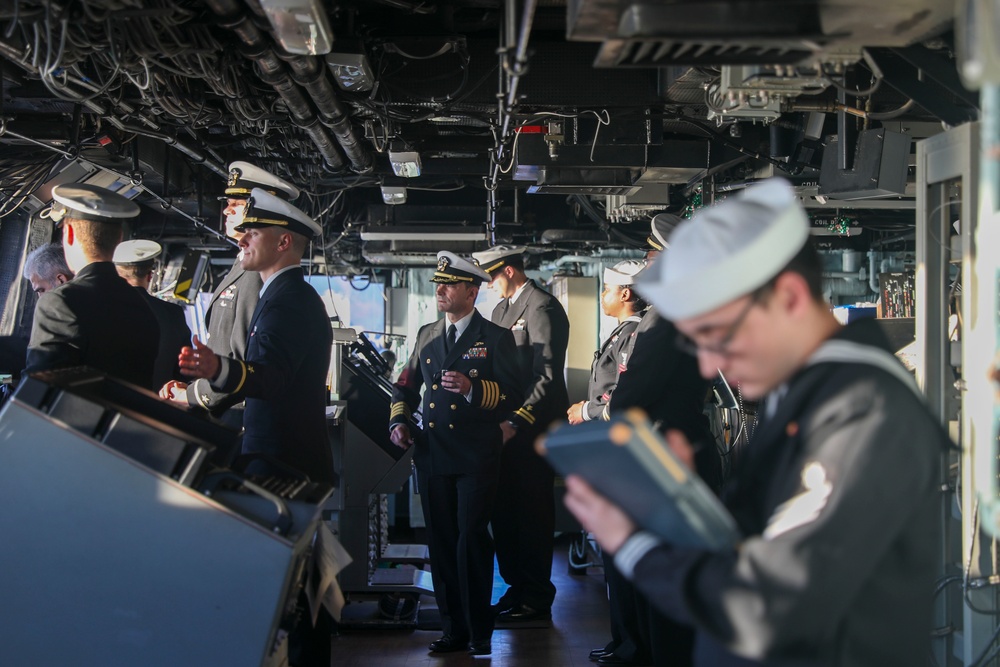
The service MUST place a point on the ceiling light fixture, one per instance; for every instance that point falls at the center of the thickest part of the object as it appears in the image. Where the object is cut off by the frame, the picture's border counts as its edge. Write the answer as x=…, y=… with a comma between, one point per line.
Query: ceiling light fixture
x=405, y=163
x=351, y=71
x=423, y=232
x=393, y=195
x=300, y=26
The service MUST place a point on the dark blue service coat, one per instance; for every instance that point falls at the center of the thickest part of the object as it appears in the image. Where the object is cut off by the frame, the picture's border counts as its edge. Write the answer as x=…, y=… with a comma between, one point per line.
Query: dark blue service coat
x=284, y=377
x=460, y=437
x=97, y=320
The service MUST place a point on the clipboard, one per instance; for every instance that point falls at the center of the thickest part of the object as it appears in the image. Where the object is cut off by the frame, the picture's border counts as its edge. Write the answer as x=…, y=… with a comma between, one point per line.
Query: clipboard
x=629, y=463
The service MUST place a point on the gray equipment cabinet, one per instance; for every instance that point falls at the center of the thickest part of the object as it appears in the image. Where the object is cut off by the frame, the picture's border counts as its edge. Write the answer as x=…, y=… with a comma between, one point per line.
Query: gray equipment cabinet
x=107, y=562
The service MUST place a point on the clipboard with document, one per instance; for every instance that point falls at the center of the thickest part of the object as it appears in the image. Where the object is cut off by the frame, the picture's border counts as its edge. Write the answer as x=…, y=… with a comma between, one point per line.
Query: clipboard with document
x=629, y=463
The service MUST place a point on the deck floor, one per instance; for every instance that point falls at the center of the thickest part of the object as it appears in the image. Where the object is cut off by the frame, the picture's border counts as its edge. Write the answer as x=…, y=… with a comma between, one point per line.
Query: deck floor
x=579, y=624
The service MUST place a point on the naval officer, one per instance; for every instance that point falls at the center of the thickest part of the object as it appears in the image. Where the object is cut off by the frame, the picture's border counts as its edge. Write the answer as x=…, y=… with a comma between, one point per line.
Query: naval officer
x=234, y=300
x=96, y=319
x=283, y=378
x=467, y=368
x=524, y=517
x=134, y=262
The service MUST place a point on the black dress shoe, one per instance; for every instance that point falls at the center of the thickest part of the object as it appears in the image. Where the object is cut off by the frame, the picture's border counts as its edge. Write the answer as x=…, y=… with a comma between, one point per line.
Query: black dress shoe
x=480, y=648
x=612, y=660
x=448, y=644
x=522, y=613
x=502, y=605
x=597, y=654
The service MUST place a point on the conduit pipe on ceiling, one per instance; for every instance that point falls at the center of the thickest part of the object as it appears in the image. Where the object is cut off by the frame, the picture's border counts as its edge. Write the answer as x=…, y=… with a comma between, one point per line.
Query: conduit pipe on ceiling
x=258, y=47
x=306, y=74
x=312, y=76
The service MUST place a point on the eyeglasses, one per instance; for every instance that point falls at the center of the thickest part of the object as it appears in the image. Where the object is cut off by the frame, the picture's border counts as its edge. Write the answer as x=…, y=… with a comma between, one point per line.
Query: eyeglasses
x=721, y=347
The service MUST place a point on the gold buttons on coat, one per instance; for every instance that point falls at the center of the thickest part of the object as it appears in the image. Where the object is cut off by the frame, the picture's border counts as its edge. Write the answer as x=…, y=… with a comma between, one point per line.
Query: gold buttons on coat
x=428, y=360
x=451, y=426
x=454, y=407
x=430, y=405
x=434, y=386
x=431, y=424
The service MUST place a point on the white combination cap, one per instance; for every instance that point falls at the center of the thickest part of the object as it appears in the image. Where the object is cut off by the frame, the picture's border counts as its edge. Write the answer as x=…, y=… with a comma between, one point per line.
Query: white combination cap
x=726, y=251
x=244, y=177
x=136, y=251
x=624, y=273
x=267, y=210
x=90, y=202
x=497, y=257
x=453, y=269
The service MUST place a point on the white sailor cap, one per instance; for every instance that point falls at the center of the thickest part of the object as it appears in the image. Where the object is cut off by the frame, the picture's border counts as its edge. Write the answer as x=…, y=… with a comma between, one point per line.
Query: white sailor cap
x=244, y=177
x=453, y=269
x=136, y=251
x=90, y=202
x=497, y=257
x=267, y=210
x=623, y=273
x=726, y=251
x=660, y=228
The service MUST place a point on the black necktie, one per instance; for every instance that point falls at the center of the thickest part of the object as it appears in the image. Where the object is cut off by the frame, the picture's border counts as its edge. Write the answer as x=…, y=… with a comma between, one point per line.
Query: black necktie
x=450, y=340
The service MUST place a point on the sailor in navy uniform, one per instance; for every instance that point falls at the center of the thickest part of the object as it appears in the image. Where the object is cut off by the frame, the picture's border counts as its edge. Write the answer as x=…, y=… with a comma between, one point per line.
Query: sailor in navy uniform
x=621, y=301
x=524, y=518
x=467, y=368
x=227, y=318
x=283, y=378
x=97, y=319
x=134, y=261
x=838, y=498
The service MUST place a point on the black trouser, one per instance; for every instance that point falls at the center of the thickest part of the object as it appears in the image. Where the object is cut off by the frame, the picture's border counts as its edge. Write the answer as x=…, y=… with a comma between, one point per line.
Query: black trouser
x=626, y=637
x=524, y=523
x=669, y=643
x=457, y=511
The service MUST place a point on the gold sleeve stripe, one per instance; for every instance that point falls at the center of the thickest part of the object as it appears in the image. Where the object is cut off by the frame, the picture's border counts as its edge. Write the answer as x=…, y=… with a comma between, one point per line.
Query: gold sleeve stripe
x=491, y=394
x=399, y=408
x=243, y=378
x=525, y=415
x=606, y=414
